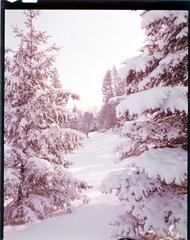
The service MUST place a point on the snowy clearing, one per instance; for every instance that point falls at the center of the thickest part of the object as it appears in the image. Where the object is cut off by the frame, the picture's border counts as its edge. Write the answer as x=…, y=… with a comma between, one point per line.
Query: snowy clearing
x=91, y=163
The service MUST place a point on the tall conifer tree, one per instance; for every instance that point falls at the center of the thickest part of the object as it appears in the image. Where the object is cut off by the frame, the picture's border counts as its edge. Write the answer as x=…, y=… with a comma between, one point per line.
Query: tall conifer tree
x=36, y=179
x=153, y=188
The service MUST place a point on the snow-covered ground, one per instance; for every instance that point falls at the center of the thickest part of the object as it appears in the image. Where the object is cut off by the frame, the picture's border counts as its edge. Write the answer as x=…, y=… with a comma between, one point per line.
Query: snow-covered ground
x=90, y=221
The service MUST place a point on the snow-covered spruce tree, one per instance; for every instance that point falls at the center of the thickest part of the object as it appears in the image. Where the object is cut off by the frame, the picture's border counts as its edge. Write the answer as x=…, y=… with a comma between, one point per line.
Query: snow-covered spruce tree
x=106, y=116
x=88, y=123
x=153, y=187
x=119, y=84
x=36, y=179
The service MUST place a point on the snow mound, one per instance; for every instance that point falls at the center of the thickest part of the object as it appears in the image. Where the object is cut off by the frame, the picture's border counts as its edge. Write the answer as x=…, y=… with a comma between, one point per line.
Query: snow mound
x=165, y=98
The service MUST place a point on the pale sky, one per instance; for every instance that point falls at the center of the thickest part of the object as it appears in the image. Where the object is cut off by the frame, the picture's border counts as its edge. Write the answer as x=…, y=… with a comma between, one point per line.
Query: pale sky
x=92, y=41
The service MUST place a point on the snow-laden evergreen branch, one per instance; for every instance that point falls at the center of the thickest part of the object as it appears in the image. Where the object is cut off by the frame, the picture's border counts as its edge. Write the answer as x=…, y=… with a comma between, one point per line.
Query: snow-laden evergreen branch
x=153, y=116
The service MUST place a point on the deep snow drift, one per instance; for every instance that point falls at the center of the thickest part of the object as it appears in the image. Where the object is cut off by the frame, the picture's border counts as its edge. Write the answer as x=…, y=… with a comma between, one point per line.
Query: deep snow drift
x=91, y=163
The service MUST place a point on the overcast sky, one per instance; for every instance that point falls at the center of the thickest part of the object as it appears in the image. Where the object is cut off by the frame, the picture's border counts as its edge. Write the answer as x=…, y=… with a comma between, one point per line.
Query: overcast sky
x=91, y=40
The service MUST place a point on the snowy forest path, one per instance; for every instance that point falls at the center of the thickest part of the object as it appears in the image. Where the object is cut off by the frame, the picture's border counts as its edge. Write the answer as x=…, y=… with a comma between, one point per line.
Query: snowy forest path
x=94, y=161
x=91, y=163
